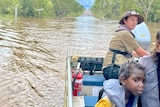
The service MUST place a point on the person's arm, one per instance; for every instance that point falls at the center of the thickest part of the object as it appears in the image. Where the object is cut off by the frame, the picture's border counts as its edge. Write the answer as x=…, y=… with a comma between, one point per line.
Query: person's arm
x=134, y=54
x=140, y=52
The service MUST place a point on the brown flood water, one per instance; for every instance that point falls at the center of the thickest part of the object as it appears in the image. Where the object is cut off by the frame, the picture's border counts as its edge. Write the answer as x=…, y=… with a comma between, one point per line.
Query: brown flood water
x=33, y=56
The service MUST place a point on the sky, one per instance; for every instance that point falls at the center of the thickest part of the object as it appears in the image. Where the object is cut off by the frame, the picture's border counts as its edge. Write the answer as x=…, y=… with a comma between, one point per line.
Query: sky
x=87, y=4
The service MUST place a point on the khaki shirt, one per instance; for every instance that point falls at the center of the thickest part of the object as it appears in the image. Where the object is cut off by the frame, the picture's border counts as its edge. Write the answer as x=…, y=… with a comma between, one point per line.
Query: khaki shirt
x=123, y=41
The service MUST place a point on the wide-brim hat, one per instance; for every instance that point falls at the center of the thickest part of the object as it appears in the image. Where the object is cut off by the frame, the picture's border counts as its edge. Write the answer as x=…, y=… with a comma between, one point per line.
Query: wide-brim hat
x=132, y=13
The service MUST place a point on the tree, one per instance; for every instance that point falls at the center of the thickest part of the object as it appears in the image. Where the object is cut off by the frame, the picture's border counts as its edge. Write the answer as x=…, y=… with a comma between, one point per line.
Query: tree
x=154, y=12
x=64, y=7
x=145, y=6
x=8, y=6
x=27, y=8
x=46, y=5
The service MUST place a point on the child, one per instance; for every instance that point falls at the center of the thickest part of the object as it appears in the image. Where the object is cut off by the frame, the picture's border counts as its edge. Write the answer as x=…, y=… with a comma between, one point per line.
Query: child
x=150, y=96
x=125, y=91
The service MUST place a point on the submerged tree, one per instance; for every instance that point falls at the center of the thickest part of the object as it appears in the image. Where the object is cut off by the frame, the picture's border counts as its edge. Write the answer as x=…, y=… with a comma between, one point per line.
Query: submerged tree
x=27, y=8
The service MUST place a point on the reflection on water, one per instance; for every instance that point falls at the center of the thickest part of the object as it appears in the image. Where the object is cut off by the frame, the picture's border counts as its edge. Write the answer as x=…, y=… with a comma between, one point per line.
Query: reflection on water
x=91, y=36
x=33, y=56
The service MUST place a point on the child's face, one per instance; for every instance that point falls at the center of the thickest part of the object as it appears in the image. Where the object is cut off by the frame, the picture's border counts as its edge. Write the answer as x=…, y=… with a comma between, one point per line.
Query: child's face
x=135, y=83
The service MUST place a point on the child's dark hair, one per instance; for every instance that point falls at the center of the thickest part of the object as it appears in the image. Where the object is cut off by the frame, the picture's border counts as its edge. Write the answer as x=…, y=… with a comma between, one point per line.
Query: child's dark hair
x=127, y=68
x=155, y=55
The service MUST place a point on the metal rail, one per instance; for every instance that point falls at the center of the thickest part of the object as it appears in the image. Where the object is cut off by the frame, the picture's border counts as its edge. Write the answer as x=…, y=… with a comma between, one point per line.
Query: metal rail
x=69, y=81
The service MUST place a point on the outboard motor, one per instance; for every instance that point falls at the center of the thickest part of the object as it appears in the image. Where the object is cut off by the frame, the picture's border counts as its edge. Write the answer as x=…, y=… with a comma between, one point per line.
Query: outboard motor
x=142, y=36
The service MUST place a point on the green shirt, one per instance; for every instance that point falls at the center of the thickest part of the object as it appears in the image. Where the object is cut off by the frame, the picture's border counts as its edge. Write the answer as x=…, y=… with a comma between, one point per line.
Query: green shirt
x=125, y=42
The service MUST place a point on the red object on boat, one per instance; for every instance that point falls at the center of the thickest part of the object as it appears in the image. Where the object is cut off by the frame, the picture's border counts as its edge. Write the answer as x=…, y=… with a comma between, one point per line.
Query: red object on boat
x=77, y=83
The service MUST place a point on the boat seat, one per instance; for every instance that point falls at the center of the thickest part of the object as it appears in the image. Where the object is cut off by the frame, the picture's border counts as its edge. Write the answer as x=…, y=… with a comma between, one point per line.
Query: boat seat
x=90, y=101
x=93, y=80
x=91, y=64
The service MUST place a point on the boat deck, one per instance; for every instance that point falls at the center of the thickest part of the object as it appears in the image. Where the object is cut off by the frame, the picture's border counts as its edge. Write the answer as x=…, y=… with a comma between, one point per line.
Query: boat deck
x=78, y=101
x=84, y=101
x=92, y=81
x=91, y=86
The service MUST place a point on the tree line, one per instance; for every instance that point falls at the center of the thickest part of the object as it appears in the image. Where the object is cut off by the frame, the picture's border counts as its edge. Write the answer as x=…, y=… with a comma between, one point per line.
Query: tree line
x=51, y=8
x=111, y=9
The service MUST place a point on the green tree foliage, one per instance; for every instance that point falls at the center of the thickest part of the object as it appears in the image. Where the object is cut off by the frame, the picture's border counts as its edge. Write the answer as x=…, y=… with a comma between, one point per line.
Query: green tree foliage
x=64, y=7
x=74, y=8
x=99, y=8
x=47, y=7
x=8, y=6
x=145, y=6
x=111, y=9
x=116, y=8
x=154, y=12
x=27, y=8
x=106, y=8
x=60, y=7
x=129, y=5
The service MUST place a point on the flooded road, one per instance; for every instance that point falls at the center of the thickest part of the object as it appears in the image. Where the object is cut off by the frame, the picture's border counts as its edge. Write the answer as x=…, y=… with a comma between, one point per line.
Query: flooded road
x=33, y=56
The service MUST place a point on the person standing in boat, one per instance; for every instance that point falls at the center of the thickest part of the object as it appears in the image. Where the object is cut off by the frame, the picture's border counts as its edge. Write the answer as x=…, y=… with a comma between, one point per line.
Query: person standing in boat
x=125, y=91
x=151, y=95
x=123, y=45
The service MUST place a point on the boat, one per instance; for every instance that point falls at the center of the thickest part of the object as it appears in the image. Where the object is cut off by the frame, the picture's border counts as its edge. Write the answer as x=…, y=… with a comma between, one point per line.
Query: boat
x=91, y=69
x=92, y=80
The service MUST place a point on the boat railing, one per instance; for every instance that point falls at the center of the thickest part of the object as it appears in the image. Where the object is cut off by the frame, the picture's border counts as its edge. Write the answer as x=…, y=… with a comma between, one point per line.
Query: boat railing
x=68, y=88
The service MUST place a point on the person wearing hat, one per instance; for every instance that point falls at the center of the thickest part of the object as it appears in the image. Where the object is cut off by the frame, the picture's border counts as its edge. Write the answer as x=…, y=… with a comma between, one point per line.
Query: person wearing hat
x=123, y=45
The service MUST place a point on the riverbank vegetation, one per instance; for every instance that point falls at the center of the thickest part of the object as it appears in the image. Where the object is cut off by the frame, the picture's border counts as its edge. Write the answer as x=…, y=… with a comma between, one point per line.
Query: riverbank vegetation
x=110, y=9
